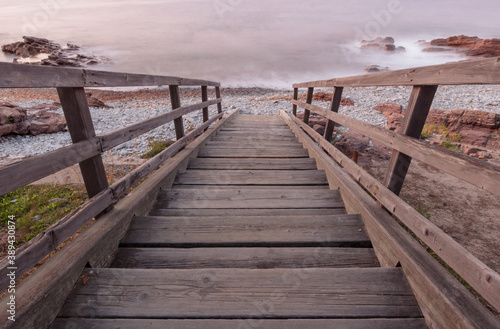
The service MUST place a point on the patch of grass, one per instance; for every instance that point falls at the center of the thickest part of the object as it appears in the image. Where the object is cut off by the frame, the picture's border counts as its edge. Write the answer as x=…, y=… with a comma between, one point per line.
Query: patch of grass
x=36, y=207
x=423, y=210
x=446, y=143
x=428, y=130
x=453, y=136
x=156, y=147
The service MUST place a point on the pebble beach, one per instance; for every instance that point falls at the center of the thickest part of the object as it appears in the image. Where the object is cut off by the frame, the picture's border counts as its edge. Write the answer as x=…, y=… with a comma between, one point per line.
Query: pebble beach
x=136, y=105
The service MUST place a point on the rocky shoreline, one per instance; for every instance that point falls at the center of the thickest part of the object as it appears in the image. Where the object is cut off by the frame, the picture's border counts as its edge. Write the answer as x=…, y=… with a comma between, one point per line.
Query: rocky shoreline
x=128, y=107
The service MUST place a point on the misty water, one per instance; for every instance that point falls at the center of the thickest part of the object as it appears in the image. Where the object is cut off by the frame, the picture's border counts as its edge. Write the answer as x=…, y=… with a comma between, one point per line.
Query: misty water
x=248, y=43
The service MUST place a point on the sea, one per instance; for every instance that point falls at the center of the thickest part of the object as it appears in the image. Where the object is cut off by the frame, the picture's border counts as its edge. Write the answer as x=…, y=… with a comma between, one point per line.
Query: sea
x=248, y=43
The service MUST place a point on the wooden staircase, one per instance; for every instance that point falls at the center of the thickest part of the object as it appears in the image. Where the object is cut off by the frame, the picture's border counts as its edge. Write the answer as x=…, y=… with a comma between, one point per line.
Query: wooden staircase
x=249, y=236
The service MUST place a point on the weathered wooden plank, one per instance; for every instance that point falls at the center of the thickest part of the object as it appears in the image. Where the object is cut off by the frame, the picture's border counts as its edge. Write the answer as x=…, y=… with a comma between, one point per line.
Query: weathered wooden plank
x=217, y=95
x=295, y=96
x=21, y=173
x=478, y=173
x=221, y=231
x=262, y=133
x=413, y=123
x=258, y=130
x=40, y=296
x=204, y=98
x=212, y=197
x=134, y=177
x=121, y=135
x=246, y=212
x=251, y=177
x=255, y=164
x=309, y=98
x=334, y=107
x=51, y=238
x=483, y=71
x=410, y=323
x=255, y=144
x=234, y=293
x=80, y=126
x=32, y=76
x=210, y=152
x=244, y=258
x=236, y=188
x=248, y=138
x=175, y=100
x=444, y=301
x=481, y=277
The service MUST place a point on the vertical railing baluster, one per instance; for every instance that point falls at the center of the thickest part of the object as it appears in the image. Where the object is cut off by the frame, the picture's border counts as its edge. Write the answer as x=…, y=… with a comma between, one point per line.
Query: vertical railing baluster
x=310, y=92
x=334, y=107
x=175, y=99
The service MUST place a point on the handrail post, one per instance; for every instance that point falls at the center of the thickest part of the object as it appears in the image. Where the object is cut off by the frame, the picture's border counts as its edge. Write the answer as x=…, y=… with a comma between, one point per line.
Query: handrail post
x=310, y=92
x=217, y=95
x=413, y=123
x=175, y=99
x=295, y=97
x=204, y=98
x=80, y=126
x=334, y=107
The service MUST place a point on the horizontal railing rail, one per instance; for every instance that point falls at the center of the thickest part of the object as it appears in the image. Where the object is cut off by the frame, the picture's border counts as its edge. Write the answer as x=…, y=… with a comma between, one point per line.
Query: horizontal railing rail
x=407, y=145
x=87, y=147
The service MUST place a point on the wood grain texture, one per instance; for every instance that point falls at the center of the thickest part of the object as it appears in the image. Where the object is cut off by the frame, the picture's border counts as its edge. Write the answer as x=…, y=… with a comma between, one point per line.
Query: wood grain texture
x=251, y=177
x=217, y=95
x=212, y=197
x=211, y=152
x=480, y=276
x=26, y=171
x=262, y=231
x=252, y=164
x=255, y=144
x=244, y=258
x=476, y=172
x=40, y=296
x=204, y=98
x=234, y=293
x=175, y=100
x=295, y=96
x=245, y=212
x=309, y=99
x=121, y=135
x=80, y=126
x=334, y=107
x=410, y=323
x=482, y=71
x=32, y=76
x=444, y=301
x=416, y=113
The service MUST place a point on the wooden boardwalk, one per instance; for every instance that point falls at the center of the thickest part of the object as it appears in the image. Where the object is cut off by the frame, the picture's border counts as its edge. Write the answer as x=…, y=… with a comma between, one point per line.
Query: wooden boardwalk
x=249, y=236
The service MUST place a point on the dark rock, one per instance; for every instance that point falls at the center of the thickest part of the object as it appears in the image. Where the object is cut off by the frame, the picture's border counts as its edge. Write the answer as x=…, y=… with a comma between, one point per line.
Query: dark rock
x=388, y=108
x=382, y=44
x=45, y=122
x=376, y=69
x=325, y=97
x=319, y=129
x=57, y=56
x=437, y=49
x=94, y=102
x=9, y=115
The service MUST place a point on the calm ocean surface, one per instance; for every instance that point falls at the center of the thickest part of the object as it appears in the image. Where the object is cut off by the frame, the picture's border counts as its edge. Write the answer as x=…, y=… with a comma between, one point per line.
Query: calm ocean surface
x=248, y=42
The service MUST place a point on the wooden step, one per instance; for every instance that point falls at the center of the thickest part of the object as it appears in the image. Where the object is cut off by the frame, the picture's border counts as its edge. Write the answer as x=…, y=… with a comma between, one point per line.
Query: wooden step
x=246, y=212
x=81, y=323
x=244, y=258
x=254, y=144
x=258, y=129
x=263, y=133
x=253, y=164
x=247, y=138
x=212, y=197
x=210, y=152
x=251, y=177
x=241, y=231
x=242, y=293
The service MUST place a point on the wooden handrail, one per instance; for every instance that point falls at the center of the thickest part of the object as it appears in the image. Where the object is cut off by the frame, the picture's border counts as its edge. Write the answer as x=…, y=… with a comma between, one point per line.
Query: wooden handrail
x=470, y=268
x=483, y=71
x=87, y=147
x=32, y=76
x=478, y=173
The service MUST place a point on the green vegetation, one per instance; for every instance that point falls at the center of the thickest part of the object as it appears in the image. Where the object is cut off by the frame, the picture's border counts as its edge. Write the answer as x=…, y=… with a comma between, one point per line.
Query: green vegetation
x=428, y=130
x=446, y=143
x=423, y=210
x=156, y=147
x=36, y=207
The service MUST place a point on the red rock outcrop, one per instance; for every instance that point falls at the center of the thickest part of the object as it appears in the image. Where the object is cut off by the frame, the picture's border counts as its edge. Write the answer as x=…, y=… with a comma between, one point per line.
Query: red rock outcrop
x=471, y=46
